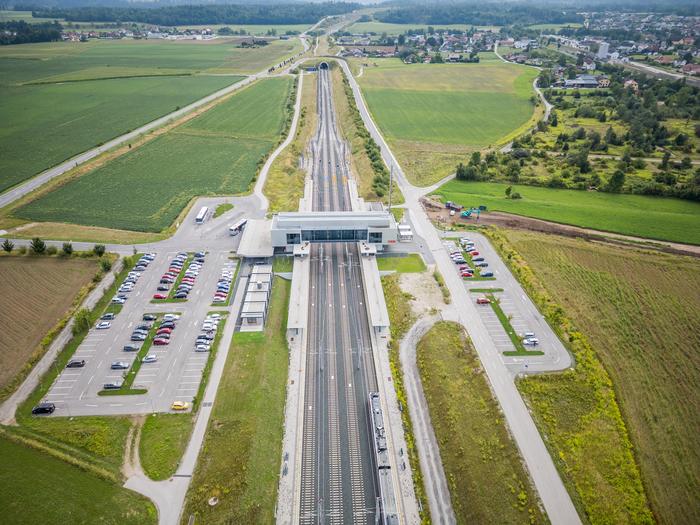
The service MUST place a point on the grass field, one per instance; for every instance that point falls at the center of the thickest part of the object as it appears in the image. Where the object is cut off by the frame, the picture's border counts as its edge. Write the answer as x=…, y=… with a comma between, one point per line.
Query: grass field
x=163, y=441
x=640, y=312
x=285, y=180
x=35, y=293
x=412, y=263
x=433, y=115
x=649, y=217
x=40, y=489
x=484, y=471
x=242, y=450
x=147, y=188
x=59, y=99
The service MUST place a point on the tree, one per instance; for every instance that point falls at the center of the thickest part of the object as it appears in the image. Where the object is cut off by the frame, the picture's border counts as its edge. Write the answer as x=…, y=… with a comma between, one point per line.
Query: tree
x=617, y=180
x=553, y=120
x=105, y=265
x=509, y=189
x=67, y=248
x=686, y=163
x=437, y=58
x=8, y=245
x=81, y=322
x=38, y=246
x=664, y=160
x=475, y=159
x=99, y=250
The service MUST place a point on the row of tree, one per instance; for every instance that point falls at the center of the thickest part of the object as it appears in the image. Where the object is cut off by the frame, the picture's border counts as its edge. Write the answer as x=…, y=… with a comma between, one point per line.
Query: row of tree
x=39, y=247
x=307, y=13
x=20, y=32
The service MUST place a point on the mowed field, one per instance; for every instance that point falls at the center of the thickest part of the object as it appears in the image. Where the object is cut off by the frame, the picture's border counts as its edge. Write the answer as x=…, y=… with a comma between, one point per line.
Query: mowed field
x=35, y=293
x=484, y=471
x=640, y=312
x=638, y=215
x=145, y=189
x=434, y=114
x=38, y=488
x=60, y=99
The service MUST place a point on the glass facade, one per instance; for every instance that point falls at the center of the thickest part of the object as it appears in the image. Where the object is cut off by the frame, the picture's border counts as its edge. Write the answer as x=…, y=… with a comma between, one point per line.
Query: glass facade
x=331, y=236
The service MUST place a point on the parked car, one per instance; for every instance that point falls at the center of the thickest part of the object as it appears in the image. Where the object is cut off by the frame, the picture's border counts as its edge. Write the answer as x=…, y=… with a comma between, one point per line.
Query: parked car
x=107, y=317
x=119, y=365
x=103, y=325
x=138, y=337
x=180, y=405
x=114, y=385
x=473, y=253
x=150, y=358
x=160, y=342
x=487, y=274
x=159, y=296
x=478, y=259
x=171, y=317
x=163, y=288
x=531, y=341
x=131, y=348
x=76, y=363
x=529, y=334
x=43, y=408
x=165, y=330
x=483, y=300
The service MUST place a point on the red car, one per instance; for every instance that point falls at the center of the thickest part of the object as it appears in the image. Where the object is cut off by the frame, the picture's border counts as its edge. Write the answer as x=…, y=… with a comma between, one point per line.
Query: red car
x=483, y=300
x=161, y=342
x=474, y=253
x=467, y=275
x=188, y=280
x=164, y=331
x=160, y=296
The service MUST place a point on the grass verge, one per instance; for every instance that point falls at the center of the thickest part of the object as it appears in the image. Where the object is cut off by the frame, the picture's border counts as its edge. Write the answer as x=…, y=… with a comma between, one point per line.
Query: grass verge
x=411, y=263
x=242, y=449
x=578, y=414
x=222, y=208
x=485, y=473
x=446, y=296
x=401, y=318
x=163, y=441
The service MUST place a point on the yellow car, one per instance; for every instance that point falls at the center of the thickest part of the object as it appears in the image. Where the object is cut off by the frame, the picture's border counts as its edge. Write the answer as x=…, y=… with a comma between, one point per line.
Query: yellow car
x=180, y=405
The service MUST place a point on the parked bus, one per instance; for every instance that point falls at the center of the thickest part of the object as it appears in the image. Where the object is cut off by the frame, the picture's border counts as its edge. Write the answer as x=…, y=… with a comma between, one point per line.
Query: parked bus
x=199, y=219
x=237, y=228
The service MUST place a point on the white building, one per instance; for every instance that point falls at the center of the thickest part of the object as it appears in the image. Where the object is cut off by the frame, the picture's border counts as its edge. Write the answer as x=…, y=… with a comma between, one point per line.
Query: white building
x=603, y=50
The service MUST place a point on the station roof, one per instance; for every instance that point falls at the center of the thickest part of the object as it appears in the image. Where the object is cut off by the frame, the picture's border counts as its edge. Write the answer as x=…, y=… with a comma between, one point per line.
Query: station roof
x=332, y=220
x=256, y=240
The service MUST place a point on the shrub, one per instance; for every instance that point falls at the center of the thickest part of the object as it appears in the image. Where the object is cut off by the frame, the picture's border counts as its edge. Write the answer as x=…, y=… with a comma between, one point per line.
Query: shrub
x=51, y=250
x=38, y=246
x=99, y=250
x=22, y=250
x=82, y=321
x=67, y=248
x=8, y=245
x=105, y=265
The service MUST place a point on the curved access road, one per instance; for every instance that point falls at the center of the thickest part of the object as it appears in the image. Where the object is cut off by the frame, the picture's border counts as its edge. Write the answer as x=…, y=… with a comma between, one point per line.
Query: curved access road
x=555, y=498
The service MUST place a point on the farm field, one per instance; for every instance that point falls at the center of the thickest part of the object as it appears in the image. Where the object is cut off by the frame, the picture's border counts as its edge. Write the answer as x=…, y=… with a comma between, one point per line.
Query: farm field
x=38, y=488
x=35, y=293
x=60, y=99
x=243, y=472
x=639, y=311
x=638, y=215
x=484, y=471
x=433, y=115
x=26, y=16
x=146, y=188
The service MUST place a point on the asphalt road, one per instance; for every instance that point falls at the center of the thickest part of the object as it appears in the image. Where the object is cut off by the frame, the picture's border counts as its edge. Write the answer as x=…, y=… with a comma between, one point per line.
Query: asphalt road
x=550, y=487
x=338, y=484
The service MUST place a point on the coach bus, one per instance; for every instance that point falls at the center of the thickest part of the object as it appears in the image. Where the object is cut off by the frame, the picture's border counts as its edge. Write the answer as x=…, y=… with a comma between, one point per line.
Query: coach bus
x=237, y=228
x=199, y=219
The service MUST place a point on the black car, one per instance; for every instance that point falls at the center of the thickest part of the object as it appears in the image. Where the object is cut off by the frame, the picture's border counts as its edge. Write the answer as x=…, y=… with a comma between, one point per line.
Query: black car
x=163, y=288
x=149, y=317
x=76, y=363
x=44, y=408
x=131, y=348
x=181, y=295
x=107, y=317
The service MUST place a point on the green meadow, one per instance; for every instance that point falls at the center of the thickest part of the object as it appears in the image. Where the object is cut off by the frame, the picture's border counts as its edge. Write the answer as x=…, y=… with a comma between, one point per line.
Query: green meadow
x=638, y=215
x=397, y=29
x=60, y=99
x=433, y=114
x=146, y=188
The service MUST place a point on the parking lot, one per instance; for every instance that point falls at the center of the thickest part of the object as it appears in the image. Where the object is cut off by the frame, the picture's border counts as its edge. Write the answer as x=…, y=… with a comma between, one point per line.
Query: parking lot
x=175, y=373
x=524, y=316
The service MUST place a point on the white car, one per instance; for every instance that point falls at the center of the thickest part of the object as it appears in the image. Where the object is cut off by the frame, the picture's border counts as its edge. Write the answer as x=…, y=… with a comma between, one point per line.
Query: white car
x=150, y=358
x=103, y=325
x=531, y=341
x=214, y=316
x=529, y=334
x=201, y=348
x=171, y=317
